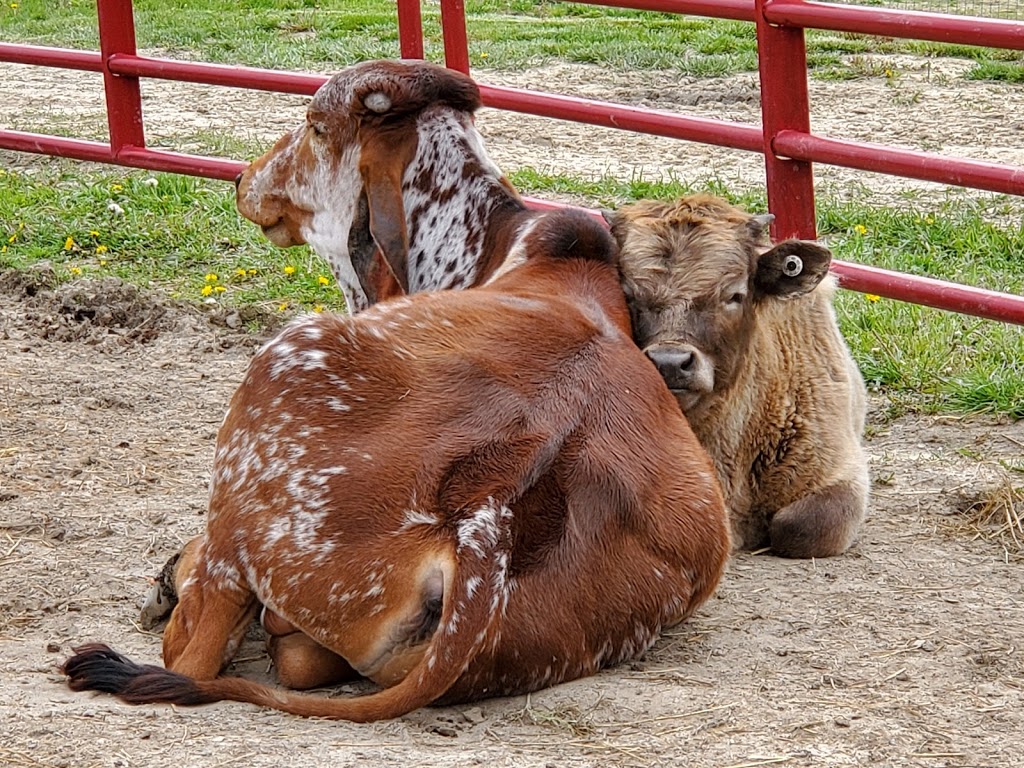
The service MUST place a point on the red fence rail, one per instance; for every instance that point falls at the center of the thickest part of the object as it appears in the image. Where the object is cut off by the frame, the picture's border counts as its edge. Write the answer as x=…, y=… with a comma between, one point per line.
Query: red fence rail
x=784, y=136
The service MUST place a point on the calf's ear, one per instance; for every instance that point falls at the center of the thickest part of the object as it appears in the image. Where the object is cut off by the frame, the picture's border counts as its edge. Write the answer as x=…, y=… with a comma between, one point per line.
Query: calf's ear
x=617, y=223
x=792, y=268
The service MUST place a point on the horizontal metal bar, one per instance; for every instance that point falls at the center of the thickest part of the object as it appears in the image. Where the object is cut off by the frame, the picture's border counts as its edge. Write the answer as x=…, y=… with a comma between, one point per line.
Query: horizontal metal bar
x=176, y=162
x=77, y=149
x=886, y=22
x=940, y=294
x=857, y=277
x=133, y=157
x=216, y=74
x=913, y=164
x=651, y=121
x=738, y=10
x=43, y=56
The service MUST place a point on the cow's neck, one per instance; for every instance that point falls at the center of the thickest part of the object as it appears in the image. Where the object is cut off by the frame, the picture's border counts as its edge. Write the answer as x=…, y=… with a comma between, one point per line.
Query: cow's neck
x=461, y=213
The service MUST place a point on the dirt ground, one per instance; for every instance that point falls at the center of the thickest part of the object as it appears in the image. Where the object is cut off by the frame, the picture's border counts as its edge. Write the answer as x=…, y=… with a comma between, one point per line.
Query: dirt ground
x=907, y=651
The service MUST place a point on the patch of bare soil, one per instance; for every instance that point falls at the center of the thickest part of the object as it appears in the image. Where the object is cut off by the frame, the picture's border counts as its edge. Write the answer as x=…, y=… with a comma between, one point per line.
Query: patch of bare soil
x=904, y=652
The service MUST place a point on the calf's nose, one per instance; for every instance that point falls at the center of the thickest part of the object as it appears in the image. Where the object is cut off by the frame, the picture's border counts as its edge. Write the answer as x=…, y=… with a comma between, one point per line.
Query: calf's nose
x=671, y=363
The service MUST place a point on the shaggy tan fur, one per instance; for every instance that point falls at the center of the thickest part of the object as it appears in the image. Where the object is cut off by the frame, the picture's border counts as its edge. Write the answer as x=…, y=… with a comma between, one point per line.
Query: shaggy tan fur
x=755, y=359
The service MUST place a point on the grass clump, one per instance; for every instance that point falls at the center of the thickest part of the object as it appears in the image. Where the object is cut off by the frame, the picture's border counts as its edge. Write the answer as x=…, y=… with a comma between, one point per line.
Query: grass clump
x=178, y=233
x=183, y=235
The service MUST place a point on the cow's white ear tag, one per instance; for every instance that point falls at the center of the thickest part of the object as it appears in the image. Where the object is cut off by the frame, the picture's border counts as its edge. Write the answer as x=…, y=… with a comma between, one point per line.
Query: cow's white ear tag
x=792, y=266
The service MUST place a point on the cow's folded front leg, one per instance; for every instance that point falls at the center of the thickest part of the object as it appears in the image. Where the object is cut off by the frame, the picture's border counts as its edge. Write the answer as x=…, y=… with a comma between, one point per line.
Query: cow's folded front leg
x=821, y=524
x=301, y=662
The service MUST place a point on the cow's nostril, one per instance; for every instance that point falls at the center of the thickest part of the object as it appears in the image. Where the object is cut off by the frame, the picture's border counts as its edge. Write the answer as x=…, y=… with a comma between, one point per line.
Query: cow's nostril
x=676, y=366
x=238, y=179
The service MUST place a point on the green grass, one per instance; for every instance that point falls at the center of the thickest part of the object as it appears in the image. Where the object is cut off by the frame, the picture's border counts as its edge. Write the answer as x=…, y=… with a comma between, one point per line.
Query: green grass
x=177, y=232
x=507, y=34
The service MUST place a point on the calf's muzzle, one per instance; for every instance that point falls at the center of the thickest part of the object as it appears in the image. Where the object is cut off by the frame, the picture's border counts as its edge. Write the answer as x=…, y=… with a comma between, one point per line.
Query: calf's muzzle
x=685, y=369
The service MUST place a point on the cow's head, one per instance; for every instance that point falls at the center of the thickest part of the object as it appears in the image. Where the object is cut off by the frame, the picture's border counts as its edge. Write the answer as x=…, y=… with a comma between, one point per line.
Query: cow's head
x=335, y=182
x=696, y=274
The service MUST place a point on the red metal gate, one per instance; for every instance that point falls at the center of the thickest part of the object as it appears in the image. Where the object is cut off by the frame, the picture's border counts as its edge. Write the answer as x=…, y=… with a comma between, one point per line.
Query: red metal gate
x=784, y=137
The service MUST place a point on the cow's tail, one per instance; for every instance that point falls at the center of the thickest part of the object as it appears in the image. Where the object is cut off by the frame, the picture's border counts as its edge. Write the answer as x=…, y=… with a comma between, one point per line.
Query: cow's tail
x=477, y=596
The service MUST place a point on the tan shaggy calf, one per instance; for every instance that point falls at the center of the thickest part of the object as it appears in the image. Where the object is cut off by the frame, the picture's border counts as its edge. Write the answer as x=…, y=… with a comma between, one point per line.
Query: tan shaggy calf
x=746, y=338
x=454, y=494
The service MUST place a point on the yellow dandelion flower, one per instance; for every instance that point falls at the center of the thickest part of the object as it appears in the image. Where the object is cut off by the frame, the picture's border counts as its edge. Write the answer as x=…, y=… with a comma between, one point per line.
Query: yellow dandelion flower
x=12, y=238
x=240, y=272
x=94, y=233
x=103, y=262
x=75, y=270
x=101, y=248
x=860, y=229
x=282, y=306
x=211, y=277
x=252, y=271
x=483, y=54
x=14, y=6
x=318, y=308
x=323, y=280
x=871, y=297
x=219, y=288
x=116, y=188
x=69, y=243
x=289, y=270
x=3, y=250
x=207, y=290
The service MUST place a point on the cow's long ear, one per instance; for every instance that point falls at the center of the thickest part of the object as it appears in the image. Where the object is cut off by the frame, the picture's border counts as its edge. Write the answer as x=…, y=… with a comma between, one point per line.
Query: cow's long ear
x=385, y=154
x=792, y=268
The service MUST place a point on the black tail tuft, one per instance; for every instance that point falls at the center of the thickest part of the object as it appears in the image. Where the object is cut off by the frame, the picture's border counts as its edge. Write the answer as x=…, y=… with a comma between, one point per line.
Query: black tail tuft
x=96, y=667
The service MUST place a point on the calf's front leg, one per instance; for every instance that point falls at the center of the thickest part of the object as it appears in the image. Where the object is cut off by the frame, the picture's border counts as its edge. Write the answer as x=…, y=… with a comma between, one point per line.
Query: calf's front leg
x=821, y=524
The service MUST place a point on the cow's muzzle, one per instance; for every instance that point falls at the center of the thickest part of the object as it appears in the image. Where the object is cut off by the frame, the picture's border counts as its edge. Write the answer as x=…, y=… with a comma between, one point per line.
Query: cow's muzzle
x=686, y=370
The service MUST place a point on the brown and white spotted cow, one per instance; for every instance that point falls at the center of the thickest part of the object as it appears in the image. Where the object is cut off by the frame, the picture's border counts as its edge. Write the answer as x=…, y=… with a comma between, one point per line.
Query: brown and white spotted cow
x=746, y=338
x=388, y=180
x=455, y=494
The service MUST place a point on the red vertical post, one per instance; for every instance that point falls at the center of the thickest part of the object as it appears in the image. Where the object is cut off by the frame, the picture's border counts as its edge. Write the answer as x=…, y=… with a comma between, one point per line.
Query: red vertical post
x=410, y=29
x=124, y=97
x=453, y=27
x=782, y=62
